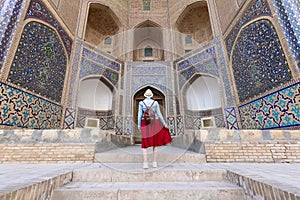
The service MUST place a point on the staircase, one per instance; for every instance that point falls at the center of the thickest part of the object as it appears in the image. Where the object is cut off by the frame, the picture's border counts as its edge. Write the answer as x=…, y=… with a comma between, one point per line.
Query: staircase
x=118, y=174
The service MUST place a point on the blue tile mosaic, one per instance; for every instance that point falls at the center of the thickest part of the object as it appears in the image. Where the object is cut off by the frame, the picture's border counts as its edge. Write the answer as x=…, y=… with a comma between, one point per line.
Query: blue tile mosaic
x=69, y=119
x=21, y=109
x=288, y=12
x=208, y=67
x=229, y=99
x=149, y=70
x=96, y=57
x=10, y=12
x=255, y=9
x=139, y=82
x=42, y=67
x=90, y=68
x=231, y=118
x=258, y=61
x=280, y=109
x=38, y=10
x=206, y=54
x=73, y=75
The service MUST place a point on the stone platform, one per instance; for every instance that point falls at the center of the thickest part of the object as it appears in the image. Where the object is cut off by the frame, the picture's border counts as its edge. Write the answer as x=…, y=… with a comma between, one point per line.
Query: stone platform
x=133, y=154
x=175, y=180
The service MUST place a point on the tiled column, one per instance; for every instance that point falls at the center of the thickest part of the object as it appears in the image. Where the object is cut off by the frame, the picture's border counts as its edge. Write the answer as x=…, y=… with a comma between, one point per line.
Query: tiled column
x=9, y=14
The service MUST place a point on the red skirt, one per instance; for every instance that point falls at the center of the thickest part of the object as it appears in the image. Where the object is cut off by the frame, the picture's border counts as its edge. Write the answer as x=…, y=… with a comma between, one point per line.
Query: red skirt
x=154, y=134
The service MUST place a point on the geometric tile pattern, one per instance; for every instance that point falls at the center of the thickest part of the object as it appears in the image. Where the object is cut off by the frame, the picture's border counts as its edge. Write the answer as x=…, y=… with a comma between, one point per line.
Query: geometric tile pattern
x=119, y=125
x=288, y=12
x=219, y=121
x=189, y=122
x=106, y=123
x=171, y=125
x=255, y=9
x=231, y=119
x=128, y=126
x=106, y=118
x=38, y=10
x=277, y=110
x=10, y=12
x=80, y=121
x=69, y=120
x=21, y=109
x=42, y=67
x=258, y=61
x=180, y=125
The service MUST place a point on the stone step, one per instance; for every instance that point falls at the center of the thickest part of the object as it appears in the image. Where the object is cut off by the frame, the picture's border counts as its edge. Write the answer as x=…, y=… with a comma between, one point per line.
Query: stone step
x=133, y=172
x=219, y=190
x=133, y=154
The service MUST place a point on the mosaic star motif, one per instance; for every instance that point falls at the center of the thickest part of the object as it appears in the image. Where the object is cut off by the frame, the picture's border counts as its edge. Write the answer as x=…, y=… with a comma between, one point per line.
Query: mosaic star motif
x=258, y=61
x=40, y=63
x=21, y=109
x=280, y=109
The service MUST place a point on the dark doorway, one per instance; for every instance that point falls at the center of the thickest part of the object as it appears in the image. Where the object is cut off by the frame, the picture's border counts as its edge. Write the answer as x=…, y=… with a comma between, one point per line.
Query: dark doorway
x=139, y=96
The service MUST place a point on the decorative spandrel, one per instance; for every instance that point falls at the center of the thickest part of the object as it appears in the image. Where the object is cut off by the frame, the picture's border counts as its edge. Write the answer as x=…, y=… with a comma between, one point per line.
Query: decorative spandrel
x=40, y=62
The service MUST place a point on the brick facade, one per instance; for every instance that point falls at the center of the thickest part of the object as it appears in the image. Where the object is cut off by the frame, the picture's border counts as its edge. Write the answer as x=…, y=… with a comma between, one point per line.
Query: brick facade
x=47, y=153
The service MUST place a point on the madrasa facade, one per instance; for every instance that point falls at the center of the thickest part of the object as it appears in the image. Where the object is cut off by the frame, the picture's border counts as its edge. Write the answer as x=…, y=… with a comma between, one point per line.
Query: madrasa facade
x=228, y=64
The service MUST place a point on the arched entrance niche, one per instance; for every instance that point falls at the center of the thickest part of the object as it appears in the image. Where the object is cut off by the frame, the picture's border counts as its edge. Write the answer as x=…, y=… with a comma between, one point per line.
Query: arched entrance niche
x=95, y=103
x=148, y=36
x=202, y=102
x=193, y=26
x=139, y=96
x=102, y=23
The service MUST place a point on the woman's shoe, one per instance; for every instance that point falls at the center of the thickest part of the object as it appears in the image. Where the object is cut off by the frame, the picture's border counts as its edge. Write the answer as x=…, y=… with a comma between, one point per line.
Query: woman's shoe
x=154, y=164
x=145, y=165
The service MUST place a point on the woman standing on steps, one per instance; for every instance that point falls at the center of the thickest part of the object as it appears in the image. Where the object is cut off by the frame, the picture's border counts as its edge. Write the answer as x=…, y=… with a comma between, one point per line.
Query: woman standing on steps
x=153, y=134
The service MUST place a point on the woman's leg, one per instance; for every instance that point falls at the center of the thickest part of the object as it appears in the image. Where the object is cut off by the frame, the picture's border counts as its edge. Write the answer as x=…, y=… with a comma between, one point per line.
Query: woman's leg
x=145, y=152
x=155, y=150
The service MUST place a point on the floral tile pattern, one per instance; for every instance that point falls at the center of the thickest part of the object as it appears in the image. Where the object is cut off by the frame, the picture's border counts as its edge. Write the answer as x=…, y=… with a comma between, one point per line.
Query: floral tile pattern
x=258, y=61
x=255, y=9
x=38, y=10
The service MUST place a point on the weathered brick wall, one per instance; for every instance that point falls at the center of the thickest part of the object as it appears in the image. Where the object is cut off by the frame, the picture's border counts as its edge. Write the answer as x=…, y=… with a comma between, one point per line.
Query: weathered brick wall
x=254, y=151
x=258, y=146
x=56, y=146
x=158, y=13
x=47, y=153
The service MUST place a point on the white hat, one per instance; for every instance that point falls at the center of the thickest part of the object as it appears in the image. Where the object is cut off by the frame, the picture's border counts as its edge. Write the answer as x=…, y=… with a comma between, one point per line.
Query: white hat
x=148, y=93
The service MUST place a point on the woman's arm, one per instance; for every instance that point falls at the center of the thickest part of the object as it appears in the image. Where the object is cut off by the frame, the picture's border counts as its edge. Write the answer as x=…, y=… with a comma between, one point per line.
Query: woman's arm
x=159, y=115
x=140, y=112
